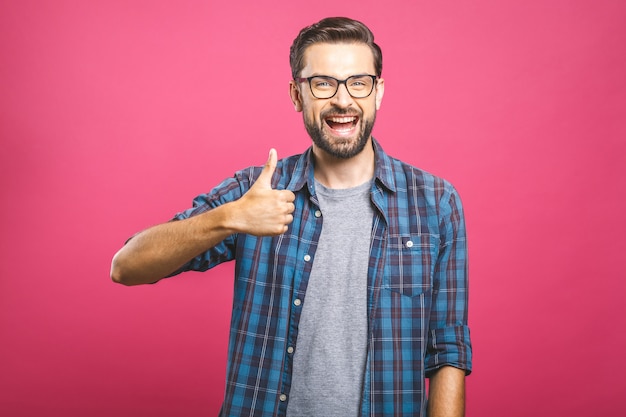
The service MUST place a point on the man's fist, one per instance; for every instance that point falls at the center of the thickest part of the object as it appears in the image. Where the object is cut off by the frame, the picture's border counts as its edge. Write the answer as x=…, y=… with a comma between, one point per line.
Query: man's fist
x=263, y=211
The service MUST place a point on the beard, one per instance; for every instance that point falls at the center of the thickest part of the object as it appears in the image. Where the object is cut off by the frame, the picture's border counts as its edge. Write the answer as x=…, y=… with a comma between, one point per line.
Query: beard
x=343, y=148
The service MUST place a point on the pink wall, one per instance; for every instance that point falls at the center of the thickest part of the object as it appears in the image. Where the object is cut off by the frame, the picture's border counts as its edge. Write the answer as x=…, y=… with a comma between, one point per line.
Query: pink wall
x=114, y=114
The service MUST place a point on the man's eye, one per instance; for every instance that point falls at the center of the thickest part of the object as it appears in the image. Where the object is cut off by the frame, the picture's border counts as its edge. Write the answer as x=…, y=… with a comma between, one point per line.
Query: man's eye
x=322, y=84
x=360, y=83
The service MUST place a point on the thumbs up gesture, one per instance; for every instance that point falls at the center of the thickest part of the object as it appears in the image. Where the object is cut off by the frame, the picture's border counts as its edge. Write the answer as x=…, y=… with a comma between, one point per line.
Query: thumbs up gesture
x=263, y=211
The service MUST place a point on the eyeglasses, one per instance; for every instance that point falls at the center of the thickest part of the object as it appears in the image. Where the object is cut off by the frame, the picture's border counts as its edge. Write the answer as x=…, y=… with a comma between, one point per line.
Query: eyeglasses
x=358, y=86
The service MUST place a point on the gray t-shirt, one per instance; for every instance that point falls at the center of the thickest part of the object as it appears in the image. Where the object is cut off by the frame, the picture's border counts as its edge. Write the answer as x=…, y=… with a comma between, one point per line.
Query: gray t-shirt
x=330, y=352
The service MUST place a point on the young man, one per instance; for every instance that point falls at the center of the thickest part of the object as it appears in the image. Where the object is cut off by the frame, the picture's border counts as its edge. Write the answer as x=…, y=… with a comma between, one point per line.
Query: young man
x=351, y=277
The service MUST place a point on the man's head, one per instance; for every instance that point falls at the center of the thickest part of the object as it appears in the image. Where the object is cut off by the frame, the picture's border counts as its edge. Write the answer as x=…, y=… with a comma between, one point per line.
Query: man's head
x=336, y=68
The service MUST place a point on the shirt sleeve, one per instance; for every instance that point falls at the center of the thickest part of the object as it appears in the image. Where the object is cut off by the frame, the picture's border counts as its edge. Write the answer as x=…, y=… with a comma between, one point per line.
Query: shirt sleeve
x=449, y=338
x=229, y=190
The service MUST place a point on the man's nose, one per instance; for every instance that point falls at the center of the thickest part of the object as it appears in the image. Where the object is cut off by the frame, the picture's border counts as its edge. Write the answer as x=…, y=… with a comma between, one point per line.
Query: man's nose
x=342, y=98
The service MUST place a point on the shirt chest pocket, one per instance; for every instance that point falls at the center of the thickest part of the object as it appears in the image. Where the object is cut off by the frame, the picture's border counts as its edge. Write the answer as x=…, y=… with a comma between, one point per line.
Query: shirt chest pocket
x=410, y=263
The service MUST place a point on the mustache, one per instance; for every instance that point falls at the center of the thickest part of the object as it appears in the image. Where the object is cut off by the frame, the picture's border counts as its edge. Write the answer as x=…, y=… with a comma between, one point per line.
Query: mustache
x=340, y=112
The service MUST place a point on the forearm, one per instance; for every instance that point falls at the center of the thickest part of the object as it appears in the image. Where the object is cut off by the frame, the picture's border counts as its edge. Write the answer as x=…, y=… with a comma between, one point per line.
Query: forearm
x=447, y=393
x=162, y=249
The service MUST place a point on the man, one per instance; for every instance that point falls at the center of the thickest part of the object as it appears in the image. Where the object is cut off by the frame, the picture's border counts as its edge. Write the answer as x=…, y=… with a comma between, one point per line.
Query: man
x=351, y=276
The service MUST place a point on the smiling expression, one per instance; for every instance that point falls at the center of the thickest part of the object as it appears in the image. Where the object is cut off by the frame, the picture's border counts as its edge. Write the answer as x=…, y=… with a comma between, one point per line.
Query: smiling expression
x=340, y=126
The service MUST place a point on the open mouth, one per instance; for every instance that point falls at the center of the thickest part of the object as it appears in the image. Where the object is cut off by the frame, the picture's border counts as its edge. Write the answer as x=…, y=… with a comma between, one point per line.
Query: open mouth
x=342, y=125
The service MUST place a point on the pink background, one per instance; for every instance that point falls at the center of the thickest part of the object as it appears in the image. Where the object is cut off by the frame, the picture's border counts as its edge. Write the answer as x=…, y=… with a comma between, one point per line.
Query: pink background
x=115, y=114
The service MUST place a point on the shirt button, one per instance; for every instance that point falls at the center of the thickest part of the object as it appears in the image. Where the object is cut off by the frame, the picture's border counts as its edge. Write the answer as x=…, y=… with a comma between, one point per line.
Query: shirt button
x=290, y=349
x=409, y=244
x=297, y=301
x=282, y=397
x=318, y=213
x=307, y=258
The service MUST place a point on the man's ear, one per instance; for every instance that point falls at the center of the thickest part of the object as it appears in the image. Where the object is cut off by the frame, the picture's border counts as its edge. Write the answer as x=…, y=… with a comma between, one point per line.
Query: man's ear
x=296, y=98
x=380, y=92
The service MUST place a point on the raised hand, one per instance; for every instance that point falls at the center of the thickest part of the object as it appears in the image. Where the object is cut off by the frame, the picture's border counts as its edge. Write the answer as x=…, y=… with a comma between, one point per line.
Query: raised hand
x=263, y=211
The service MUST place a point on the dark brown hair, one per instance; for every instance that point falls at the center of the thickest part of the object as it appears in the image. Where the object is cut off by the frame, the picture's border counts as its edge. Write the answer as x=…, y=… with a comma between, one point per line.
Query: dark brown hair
x=333, y=30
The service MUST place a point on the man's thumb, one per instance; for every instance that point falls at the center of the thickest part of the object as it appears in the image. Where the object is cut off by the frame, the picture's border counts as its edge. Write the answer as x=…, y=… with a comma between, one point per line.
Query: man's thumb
x=265, y=178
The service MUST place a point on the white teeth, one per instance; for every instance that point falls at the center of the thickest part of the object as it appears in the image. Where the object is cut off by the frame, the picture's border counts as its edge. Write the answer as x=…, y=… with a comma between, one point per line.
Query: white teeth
x=342, y=119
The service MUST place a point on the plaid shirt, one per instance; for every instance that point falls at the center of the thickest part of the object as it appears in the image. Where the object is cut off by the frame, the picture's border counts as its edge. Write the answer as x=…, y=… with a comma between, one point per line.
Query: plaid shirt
x=417, y=288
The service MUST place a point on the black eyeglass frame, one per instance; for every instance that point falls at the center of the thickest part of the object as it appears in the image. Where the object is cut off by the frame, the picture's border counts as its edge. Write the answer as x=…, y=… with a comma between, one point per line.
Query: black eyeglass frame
x=339, y=82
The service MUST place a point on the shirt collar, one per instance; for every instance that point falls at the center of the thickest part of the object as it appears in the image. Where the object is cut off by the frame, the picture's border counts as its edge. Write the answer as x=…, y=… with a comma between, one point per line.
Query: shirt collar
x=383, y=167
x=303, y=170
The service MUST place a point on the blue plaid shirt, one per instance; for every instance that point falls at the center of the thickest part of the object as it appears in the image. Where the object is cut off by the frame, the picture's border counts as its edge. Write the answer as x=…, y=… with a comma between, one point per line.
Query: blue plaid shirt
x=417, y=288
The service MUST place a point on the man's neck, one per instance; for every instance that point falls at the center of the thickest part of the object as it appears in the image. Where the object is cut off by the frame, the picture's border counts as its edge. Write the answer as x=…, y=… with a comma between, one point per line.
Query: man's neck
x=339, y=173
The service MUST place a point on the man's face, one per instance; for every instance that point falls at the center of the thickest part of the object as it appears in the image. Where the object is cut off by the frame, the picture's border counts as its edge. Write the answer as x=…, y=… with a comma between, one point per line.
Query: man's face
x=341, y=126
